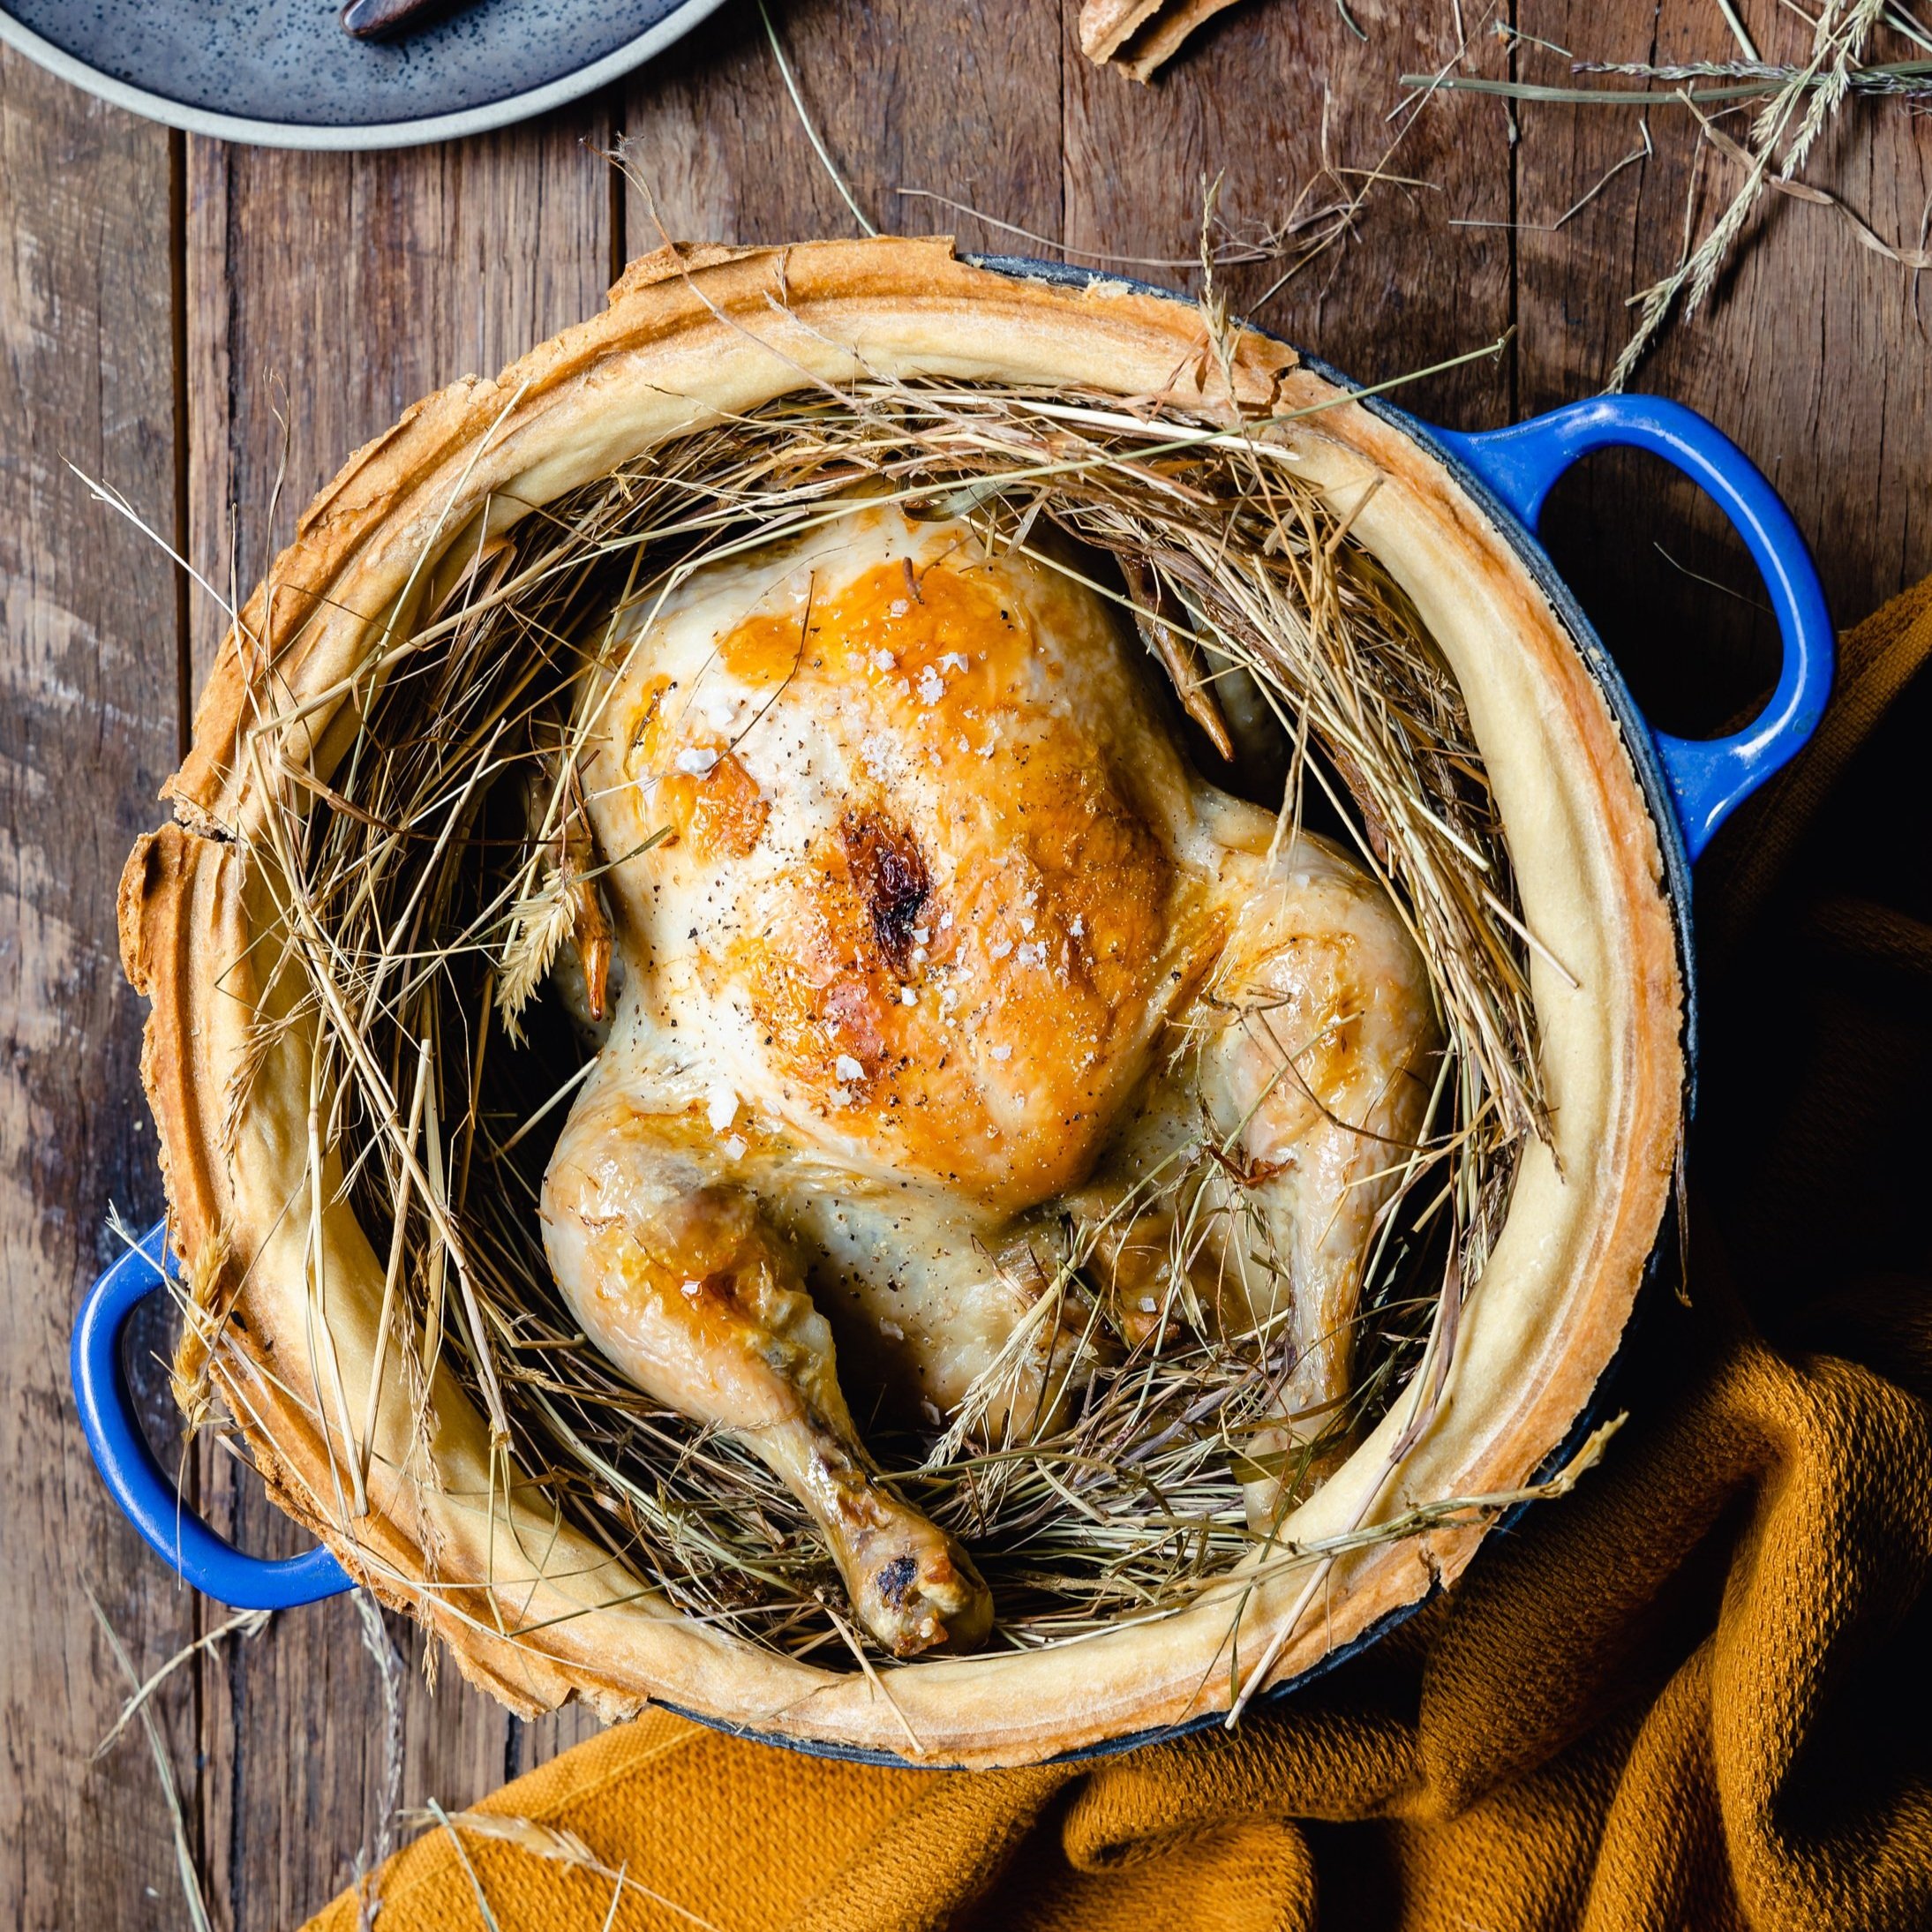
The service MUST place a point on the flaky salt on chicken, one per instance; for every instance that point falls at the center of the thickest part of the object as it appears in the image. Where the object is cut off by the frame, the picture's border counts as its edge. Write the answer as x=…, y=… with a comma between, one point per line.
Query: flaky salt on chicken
x=940, y=944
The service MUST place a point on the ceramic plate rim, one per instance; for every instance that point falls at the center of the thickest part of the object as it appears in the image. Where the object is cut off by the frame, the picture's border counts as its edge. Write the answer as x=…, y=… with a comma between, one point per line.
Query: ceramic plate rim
x=363, y=136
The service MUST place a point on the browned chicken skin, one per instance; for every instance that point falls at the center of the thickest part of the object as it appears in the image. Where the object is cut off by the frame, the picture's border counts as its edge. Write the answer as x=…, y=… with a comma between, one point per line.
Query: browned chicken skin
x=945, y=930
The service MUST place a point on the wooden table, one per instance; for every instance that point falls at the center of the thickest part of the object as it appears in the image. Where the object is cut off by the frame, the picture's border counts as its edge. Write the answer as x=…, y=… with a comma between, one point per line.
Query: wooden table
x=208, y=331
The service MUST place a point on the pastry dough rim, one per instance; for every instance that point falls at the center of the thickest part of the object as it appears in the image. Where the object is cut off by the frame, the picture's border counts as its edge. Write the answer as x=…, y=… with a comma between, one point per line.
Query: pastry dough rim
x=735, y=326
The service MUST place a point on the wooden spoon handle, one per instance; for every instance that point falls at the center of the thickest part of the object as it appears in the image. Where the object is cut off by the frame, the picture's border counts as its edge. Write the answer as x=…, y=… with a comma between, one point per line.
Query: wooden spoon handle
x=380, y=19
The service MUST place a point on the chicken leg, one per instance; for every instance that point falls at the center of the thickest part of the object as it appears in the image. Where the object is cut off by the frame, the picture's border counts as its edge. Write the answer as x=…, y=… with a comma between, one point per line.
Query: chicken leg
x=681, y=1282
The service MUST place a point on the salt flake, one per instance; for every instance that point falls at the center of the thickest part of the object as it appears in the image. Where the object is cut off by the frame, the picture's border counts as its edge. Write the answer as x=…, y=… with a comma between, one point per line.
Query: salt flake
x=883, y=756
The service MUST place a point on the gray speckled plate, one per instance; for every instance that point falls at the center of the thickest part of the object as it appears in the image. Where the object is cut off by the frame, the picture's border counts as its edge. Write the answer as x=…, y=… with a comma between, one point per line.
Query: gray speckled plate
x=284, y=74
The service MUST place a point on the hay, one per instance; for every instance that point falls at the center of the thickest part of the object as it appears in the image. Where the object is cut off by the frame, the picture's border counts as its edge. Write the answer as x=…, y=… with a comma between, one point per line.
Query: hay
x=420, y=912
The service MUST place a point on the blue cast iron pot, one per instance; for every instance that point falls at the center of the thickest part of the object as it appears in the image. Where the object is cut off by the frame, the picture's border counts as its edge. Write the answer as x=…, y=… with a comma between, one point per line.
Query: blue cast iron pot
x=1691, y=785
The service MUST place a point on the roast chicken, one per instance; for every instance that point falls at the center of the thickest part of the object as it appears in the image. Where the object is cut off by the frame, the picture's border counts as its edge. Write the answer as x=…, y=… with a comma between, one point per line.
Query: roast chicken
x=928, y=948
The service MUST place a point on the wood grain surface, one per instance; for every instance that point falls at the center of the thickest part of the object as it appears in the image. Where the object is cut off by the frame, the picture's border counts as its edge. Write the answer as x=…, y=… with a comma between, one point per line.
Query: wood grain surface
x=212, y=330
x=89, y=725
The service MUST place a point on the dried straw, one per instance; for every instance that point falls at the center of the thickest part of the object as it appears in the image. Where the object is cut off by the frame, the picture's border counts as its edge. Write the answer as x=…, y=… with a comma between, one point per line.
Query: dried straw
x=418, y=892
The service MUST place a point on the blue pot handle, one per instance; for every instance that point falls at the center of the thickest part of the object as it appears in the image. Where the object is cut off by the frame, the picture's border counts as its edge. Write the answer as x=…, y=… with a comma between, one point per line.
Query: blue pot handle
x=1708, y=777
x=136, y=1480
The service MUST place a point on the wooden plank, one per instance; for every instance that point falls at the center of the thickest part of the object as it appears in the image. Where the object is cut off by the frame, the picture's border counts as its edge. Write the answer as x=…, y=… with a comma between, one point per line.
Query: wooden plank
x=89, y=682
x=963, y=102
x=1291, y=111
x=331, y=292
x=1812, y=356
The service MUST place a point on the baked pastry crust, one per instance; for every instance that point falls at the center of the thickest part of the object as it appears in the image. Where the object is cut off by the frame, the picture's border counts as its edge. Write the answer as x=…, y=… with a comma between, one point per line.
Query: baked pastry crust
x=536, y=1614
x=1128, y=32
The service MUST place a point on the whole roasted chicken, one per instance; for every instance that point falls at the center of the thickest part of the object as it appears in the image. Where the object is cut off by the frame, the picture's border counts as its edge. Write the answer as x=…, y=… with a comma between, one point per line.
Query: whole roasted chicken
x=929, y=945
